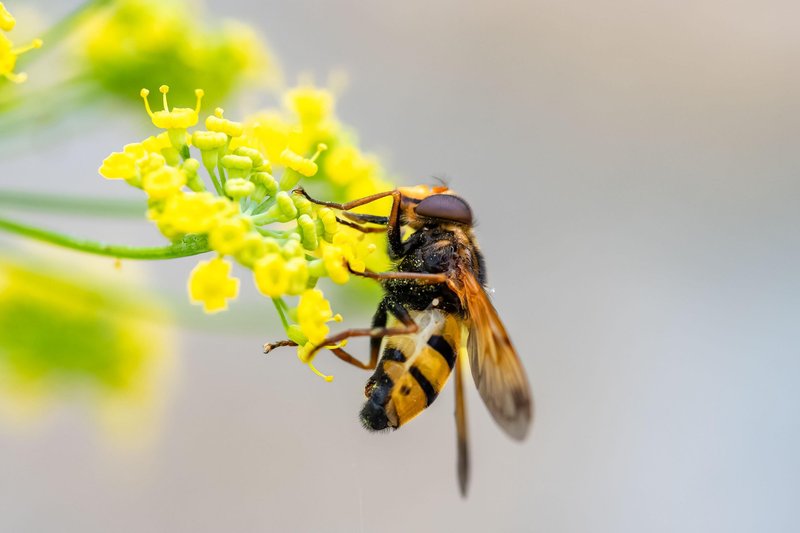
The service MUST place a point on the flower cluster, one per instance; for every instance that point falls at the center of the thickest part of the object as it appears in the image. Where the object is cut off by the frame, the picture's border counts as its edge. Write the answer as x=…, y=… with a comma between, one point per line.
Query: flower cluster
x=81, y=333
x=9, y=54
x=248, y=212
x=148, y=42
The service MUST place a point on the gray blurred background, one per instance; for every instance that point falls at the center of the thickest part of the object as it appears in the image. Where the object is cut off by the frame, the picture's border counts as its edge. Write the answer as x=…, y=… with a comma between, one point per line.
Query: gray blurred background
x=635, y=170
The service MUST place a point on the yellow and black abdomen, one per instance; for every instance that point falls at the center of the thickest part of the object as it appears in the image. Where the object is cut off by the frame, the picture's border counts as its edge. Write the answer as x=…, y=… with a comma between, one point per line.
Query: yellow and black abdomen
x=412, y=371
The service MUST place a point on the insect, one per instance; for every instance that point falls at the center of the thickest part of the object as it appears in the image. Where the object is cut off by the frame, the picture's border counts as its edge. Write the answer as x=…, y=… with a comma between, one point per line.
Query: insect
x=435, y=311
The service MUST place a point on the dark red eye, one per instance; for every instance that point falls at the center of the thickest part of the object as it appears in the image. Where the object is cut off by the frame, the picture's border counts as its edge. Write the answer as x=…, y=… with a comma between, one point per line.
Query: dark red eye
x=445, y=207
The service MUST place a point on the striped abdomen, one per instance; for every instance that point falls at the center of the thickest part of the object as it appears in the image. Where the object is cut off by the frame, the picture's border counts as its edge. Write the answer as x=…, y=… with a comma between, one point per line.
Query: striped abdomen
x=412, y=371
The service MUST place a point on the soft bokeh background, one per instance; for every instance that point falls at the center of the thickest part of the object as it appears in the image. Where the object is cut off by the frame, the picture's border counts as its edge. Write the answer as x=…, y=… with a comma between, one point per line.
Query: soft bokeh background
x=636, y=172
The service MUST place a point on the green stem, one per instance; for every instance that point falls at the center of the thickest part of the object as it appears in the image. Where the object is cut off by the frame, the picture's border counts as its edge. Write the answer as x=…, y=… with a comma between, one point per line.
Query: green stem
x=215, y=181
x=280, y=305
x=276, y=234
x=189, y=245
x=77, y=205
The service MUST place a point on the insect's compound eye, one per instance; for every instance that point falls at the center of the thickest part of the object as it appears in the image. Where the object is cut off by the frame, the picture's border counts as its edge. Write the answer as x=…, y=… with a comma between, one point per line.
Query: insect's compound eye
x=445, y=207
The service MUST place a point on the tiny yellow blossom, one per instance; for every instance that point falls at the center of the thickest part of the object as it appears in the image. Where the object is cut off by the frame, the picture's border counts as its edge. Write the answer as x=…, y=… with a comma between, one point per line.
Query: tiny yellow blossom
x=9, y=55
x=119, y=165
x=311, y=104
x=304, y=354
x=297, y=270
x=229, y=235
x=346, y=164
x=271, y=276
x=352, y=249
x=7, y=21
x=313, y=312
x=298, y=163
x=253, y=248
x=209, y=140
x=178, y=118
x=334, y=261
x=163, y=183
x=238, y=188
x=266, y=131
x=211, y=284
x=195, y=212
x=157, y=143
x=218, y=123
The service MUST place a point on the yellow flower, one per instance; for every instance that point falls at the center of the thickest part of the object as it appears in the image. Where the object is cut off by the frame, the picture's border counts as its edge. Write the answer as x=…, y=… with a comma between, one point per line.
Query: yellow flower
x=163, y=182
x=346, y=164
x=142, y=43
x=119, y=165
x=298, y=163
x=346, y=249
x=333, y=259
x=229, y=235
x=271, y=276
x=194, y=212
x=9, y=55
x=253, y=248
x=297, y=271
x=266, y=131
x=311, y=104
x=7, y=22
x=114, y=346
x=218, y=123
x=313, y=313
x=211, y=284
x=179, y=118
x=155, y=144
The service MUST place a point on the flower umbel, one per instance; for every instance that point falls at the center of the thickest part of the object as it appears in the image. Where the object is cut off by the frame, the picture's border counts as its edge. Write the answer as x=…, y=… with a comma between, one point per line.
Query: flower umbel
x=135, y=43
x=253, y=216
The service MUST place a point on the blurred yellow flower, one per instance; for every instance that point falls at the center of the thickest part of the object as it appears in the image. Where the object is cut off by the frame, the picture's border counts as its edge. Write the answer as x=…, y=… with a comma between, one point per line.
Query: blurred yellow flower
x=211, y=284
x=136, y=43
x=63, y=336
x=9, y=54
x=7, y=21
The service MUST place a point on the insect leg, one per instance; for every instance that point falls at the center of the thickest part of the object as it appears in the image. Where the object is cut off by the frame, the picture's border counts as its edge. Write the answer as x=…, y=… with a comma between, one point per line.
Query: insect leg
x=392, y=222
x=360, y=227
x=424, y=277
x=268, y=347
x=378, y=321
x=377, y=333
x=462, y=461
x=348, y=205
x=363, y=218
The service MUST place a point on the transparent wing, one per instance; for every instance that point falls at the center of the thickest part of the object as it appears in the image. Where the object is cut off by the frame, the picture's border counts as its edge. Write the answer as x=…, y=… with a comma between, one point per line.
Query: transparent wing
x=495, y=366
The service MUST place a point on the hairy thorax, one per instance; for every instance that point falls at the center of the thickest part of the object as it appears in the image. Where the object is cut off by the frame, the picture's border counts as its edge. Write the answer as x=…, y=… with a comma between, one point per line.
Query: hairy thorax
x=437, y=249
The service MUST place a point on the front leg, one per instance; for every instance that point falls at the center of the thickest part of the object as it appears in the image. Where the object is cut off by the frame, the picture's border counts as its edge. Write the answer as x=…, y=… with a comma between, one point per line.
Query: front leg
x=397, y=249
x=423, y=277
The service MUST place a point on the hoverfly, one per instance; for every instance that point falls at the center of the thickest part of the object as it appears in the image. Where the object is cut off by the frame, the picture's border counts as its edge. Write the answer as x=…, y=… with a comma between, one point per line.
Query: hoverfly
x=434, y=301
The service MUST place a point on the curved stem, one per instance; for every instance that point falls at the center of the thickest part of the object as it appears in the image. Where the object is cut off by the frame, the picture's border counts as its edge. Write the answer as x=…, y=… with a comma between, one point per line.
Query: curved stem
x=189, y=245
x=78, y=205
